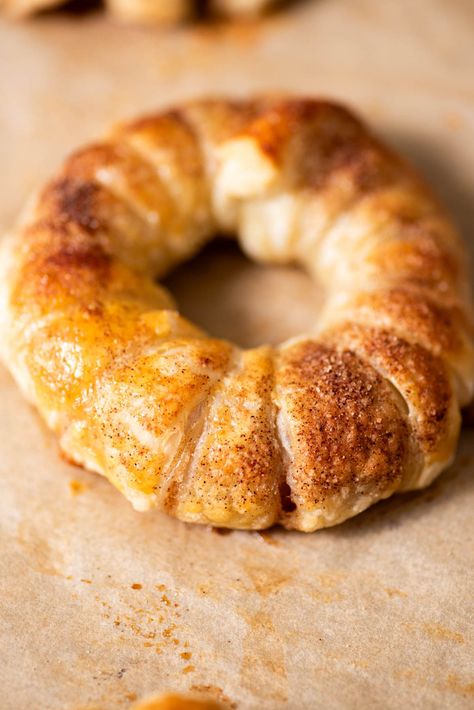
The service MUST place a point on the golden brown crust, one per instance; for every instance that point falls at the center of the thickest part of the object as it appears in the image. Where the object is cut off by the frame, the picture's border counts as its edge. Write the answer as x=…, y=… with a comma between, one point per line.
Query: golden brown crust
x=146, y=412
x=422, y=380
x=305, y=435
x=416, y=315
x=234, y=470
x=345, y=433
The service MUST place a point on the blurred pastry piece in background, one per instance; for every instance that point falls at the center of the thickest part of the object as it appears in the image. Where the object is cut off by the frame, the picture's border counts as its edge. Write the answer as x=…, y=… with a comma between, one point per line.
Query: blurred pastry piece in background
x=22, y=8
x=242, y=8
x=172, y=701
x=146, y=12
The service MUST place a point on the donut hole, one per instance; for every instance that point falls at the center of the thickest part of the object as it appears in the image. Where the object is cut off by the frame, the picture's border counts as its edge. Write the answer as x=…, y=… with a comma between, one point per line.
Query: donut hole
x=250, y=304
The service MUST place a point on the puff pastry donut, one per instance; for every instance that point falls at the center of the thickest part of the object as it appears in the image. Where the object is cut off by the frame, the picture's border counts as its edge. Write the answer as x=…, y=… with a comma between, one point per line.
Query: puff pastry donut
x=306, y=434
x=147, y=11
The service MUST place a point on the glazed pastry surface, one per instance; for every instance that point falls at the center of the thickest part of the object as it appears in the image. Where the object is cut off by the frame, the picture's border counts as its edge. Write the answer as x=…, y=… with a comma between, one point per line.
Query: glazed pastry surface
x=306, y=434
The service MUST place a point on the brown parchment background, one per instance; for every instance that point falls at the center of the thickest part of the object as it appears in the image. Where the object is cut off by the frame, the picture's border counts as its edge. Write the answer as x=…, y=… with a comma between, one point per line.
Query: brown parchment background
x=377, y=613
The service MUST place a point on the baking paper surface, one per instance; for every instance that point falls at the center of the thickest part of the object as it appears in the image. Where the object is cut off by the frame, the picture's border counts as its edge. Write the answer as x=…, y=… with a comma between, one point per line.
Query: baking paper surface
x=101, y=605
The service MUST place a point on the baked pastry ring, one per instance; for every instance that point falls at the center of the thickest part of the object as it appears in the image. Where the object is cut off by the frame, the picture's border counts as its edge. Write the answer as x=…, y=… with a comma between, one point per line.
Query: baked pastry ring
x=147, y=11
x=307, y=434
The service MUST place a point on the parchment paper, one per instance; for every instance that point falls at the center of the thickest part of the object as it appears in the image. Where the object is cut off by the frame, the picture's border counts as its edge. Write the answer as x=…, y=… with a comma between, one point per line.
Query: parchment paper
x=101, y=605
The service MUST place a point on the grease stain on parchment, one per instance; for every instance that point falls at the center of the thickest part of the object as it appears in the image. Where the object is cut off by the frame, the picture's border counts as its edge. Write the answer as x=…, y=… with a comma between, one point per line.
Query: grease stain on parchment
x=393, y=592
x=435, y=631
x=263, y=657
x=326, y=587
x=265, y=579
x=456, y=685
x=452, y=683
x=441, y=633
x=76, y=487
x=263, y=650
x=41, y=555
